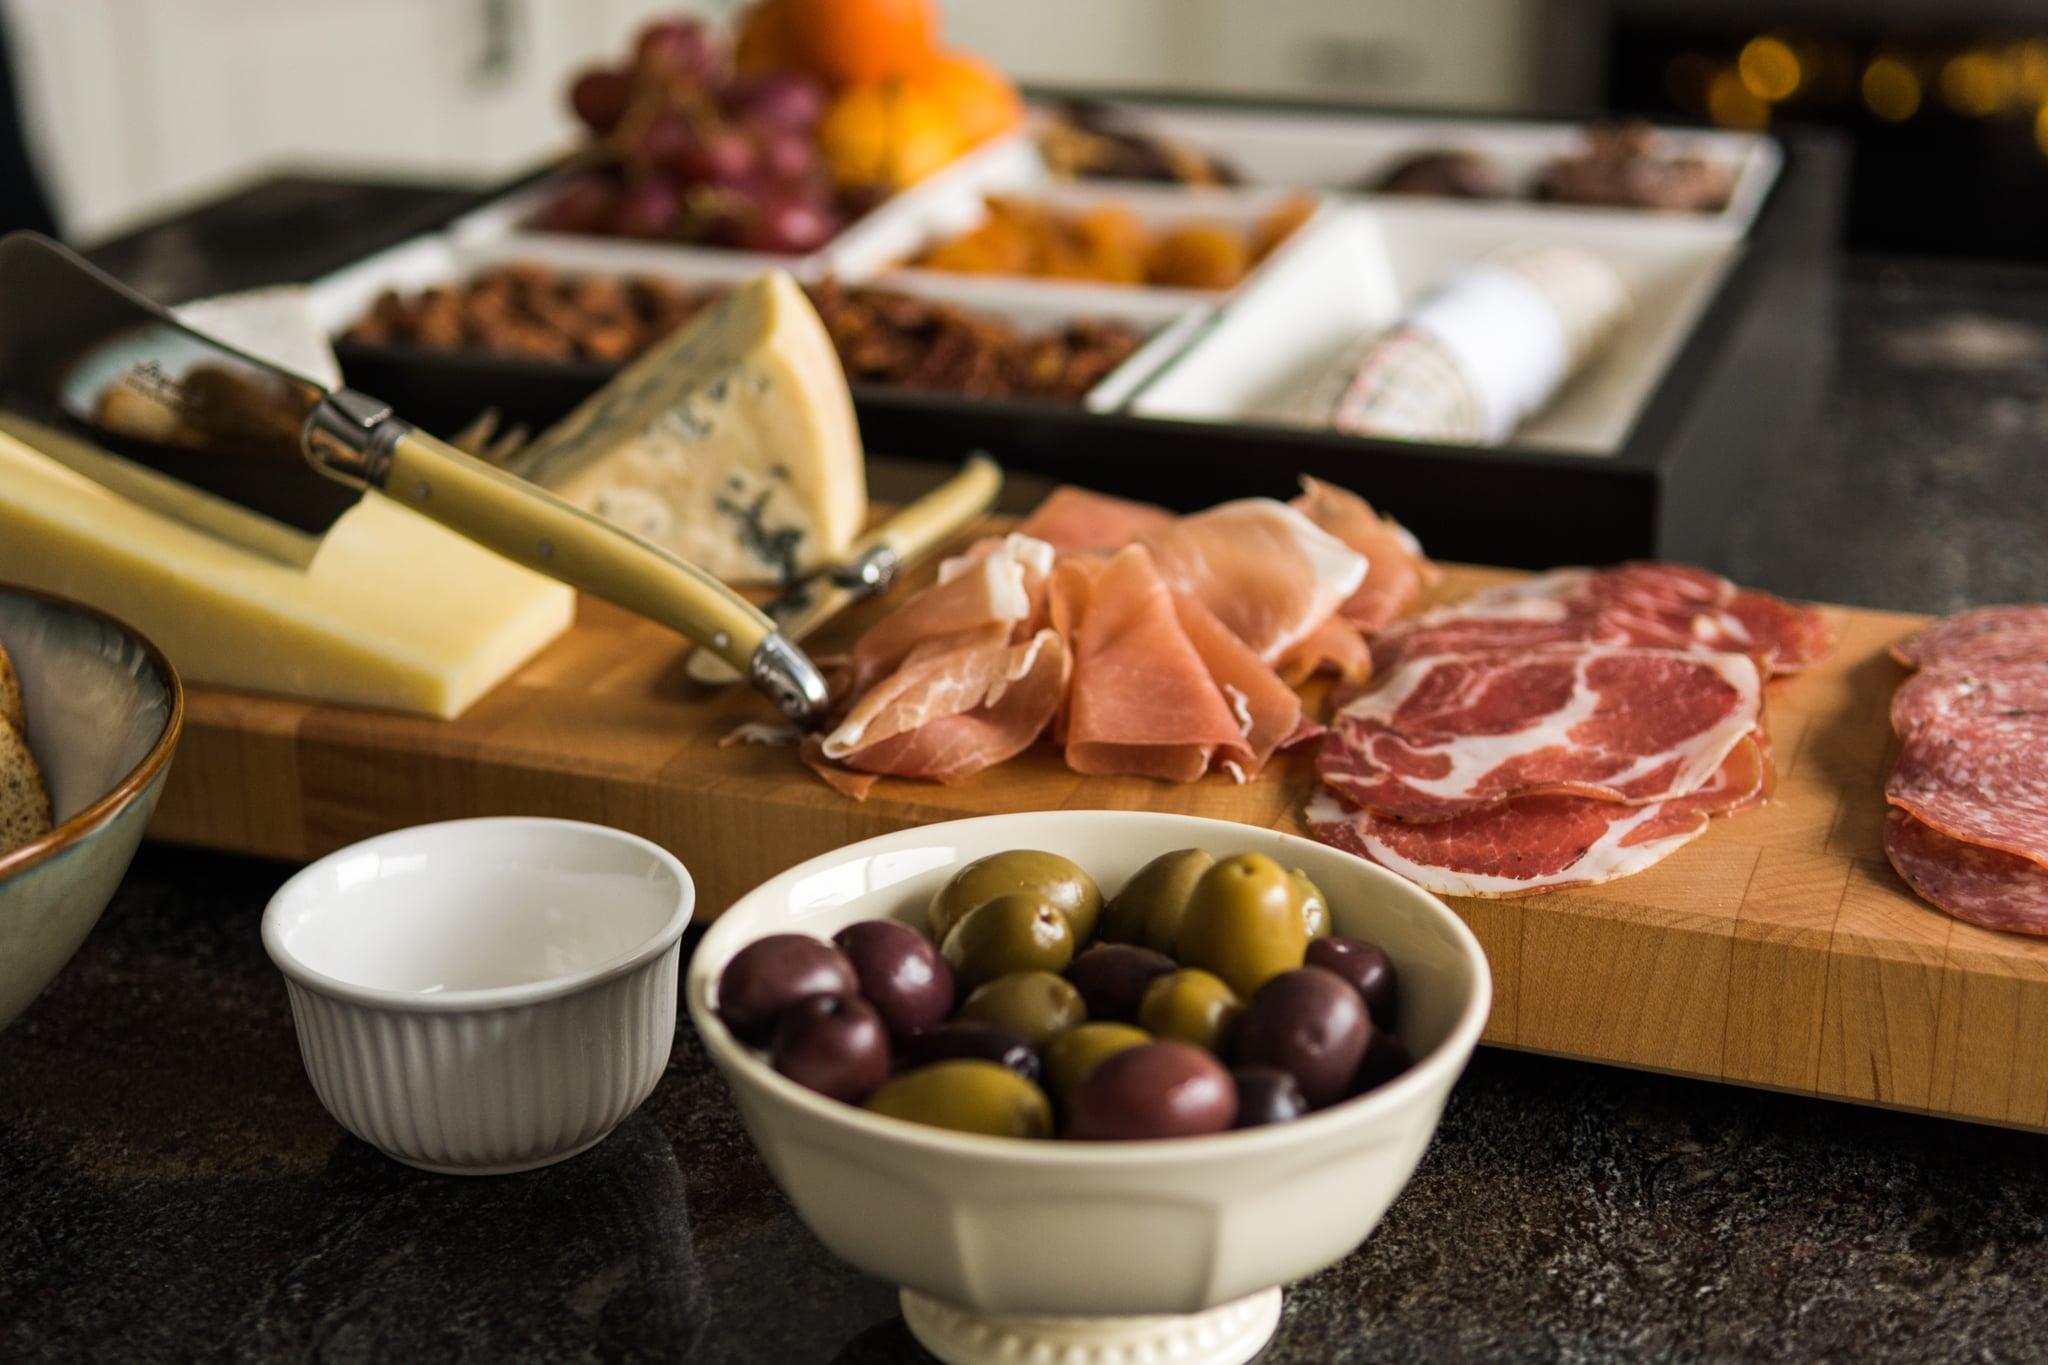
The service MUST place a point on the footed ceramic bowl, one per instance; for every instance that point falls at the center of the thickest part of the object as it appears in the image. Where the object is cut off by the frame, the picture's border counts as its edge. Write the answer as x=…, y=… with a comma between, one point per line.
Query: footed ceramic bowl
x=1173, y=1248
x=484, y=996
x=104, y=707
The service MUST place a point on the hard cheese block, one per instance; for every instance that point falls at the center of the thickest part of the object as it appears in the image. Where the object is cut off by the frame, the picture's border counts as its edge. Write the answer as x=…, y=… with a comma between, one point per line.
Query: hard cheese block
x=392, y=612
x=732, y=444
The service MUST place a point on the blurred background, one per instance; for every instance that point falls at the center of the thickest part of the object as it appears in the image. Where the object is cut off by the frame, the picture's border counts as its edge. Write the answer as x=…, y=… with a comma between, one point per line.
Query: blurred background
x=135, y=108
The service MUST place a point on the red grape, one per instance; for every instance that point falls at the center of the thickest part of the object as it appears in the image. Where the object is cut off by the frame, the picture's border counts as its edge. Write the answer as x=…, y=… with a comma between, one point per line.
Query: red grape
x=585, y=204
x=723, y=157
x=788, y=224
x=682, y=48
x=599, y=98
x=785, y=157
x=780, y=99
x=648, y=208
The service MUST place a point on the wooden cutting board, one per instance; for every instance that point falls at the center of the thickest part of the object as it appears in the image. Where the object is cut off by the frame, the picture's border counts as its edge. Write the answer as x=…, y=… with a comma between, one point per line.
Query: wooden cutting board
x=1778, y=950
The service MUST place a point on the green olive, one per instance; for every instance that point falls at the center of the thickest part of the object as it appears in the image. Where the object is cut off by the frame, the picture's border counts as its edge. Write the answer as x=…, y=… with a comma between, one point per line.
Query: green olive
x=1244, y=923
x=1037, y=1005
x=967, y=1095
x=1057, y=879
x=1019, y=932
x=1192, y=1005
x=1315, y=906
x=1148, y=909
x=1074, y=1053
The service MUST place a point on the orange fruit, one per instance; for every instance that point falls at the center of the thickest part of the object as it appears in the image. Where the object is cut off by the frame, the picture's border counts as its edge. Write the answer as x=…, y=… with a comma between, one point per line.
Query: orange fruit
x=856, y=42
x=892, y=133
x=984, y=102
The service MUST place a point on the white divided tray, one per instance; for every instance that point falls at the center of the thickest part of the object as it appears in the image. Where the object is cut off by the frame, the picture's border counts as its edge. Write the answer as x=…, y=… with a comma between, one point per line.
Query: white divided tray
x=1355, y=272
x=1350, y=152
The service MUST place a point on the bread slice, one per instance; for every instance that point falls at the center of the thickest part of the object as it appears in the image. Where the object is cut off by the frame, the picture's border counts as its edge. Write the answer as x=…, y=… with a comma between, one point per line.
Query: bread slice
x=10, y=695
x=24, y=801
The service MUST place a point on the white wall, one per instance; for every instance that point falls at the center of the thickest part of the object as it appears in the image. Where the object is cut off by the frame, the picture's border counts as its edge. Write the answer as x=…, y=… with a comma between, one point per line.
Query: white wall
x=139, y=106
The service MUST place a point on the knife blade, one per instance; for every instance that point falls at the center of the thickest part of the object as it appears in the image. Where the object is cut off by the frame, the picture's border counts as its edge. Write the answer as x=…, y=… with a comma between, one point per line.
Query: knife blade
x=872, y=562
x=86, y=355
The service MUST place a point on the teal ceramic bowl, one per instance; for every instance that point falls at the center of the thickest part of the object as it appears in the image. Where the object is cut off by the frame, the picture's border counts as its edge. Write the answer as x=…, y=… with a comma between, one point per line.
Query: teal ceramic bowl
x=104, y=708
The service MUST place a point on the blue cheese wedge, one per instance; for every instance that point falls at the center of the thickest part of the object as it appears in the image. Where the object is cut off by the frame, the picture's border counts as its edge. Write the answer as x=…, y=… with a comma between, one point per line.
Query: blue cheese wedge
x=732, y=444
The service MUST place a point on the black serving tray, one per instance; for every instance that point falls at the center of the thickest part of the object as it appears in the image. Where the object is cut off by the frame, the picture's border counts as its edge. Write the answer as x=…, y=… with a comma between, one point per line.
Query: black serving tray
x=1741, y=393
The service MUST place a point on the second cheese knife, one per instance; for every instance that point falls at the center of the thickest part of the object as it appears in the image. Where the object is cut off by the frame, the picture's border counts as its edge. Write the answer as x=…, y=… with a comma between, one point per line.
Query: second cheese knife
x=81, y=352
x=874, y=560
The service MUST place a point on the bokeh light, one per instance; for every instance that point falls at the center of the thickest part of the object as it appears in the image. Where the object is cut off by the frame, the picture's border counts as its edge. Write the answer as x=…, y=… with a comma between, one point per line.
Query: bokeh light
x=1769, y=69
x=1891, y=89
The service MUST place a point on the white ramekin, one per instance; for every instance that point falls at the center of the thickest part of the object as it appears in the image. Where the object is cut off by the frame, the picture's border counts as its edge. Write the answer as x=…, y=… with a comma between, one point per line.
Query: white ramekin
x=484, y=996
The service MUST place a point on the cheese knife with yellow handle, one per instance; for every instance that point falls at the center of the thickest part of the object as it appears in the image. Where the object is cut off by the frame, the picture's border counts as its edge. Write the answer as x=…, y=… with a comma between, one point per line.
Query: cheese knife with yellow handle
x=873, y=561
x=231, y=443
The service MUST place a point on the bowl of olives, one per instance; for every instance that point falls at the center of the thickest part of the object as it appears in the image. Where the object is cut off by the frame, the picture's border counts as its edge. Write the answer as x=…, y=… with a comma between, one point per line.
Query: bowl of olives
x=1090, y=1078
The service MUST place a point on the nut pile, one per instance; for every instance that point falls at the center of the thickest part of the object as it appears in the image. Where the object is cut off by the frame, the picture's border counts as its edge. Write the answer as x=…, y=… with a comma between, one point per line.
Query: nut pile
x=531, y=310
x=528, y=309
x=902, y=339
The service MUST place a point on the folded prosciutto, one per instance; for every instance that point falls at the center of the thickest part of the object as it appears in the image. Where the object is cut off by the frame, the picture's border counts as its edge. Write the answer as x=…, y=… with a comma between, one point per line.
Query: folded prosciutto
x=1139, y=642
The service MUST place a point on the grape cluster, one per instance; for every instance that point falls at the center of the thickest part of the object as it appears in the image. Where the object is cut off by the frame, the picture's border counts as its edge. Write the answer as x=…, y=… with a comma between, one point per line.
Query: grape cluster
x=685, y=150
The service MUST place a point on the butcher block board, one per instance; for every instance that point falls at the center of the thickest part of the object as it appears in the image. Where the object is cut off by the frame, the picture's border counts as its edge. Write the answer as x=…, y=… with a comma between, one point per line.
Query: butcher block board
x=1777, y=950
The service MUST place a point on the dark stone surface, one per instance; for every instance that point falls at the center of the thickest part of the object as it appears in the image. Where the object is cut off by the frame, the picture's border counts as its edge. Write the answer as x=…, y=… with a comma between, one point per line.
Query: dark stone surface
x=171, y=1190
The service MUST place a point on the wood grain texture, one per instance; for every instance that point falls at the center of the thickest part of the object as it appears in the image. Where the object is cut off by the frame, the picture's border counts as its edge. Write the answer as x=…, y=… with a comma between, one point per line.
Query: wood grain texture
x=1778, y=950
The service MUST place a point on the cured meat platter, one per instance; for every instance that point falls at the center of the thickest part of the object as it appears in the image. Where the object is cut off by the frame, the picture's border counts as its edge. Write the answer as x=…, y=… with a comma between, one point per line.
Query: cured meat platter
x=1778, y=950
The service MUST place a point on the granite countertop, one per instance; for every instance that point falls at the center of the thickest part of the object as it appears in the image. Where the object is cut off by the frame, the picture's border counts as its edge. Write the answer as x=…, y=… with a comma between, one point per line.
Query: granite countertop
x=170, y=1188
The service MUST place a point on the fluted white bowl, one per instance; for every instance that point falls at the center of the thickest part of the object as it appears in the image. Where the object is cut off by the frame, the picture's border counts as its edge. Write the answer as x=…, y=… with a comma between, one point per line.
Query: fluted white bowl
x=484, y=996
x=1009, y=1226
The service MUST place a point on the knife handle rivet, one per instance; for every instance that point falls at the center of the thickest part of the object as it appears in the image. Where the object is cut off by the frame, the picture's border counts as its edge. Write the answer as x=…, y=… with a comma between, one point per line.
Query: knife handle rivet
x=422, y=490
x=547, y=549
x=721, y=640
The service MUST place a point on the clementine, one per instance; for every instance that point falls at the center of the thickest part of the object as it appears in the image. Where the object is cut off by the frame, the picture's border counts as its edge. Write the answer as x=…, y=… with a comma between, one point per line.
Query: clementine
x=855, y=42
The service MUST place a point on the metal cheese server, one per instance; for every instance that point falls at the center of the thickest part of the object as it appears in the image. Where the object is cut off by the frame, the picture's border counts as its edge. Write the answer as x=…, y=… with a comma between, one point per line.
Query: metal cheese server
x=872, y=562
x=232, y=443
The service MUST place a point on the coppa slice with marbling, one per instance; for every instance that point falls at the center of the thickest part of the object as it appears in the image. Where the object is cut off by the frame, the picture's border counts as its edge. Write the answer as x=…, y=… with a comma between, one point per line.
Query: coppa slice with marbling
x=1538, y=843
x=1672, y=606
x=1448, y=734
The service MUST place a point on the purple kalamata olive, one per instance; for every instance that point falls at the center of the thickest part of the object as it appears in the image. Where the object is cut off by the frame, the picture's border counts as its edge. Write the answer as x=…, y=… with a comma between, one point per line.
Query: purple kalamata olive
x=833, y=1044
x=1311, y=1024
x=770, y=974
x=900, y=973
x=1366, y=967
x=1157, y=1090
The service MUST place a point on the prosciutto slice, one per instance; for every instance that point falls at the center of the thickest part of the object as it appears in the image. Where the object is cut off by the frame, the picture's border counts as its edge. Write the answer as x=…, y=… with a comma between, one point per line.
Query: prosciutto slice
x=1982, y=779
x=1984, y=635
x=1263, y=568
x=1985, y=886
x=1999, y=689
x=1396, y=567
x=1142, y=700
x=980, y=599
x=948, y=713
x=1449, y=734
x=1073, y=518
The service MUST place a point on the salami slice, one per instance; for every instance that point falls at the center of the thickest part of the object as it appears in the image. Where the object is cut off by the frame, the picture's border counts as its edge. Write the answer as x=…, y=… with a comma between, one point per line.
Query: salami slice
x=1985, y=886
x=1984, y=635
x=1449, y=734
x=1983, y=779
x=2005, y=689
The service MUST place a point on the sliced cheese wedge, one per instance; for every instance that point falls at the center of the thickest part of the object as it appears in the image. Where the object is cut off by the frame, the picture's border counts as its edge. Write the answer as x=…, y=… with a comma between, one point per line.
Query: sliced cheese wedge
x=393, y=612
x=732, y=444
